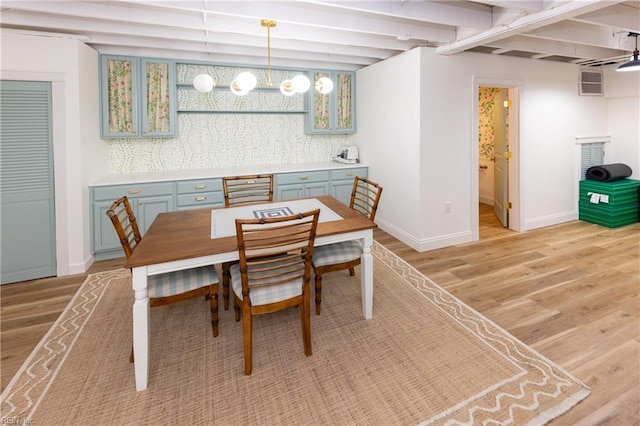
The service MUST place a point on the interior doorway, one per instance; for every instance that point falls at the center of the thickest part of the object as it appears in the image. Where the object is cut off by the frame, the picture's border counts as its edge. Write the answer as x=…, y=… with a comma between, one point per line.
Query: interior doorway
x=493, y=150
x=495, y=154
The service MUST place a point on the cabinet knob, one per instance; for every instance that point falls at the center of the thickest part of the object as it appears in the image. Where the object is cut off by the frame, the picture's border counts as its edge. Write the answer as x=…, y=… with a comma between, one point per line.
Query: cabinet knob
x=251, y=181
x=202, y=198
x=134, y=191
x=201, y=186
x=304, y=177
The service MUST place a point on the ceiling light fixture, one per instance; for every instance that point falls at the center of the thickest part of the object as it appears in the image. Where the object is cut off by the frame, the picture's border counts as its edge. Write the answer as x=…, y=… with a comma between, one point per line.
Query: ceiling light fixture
x=246, y=81
x=634, y=61
x=203, y=83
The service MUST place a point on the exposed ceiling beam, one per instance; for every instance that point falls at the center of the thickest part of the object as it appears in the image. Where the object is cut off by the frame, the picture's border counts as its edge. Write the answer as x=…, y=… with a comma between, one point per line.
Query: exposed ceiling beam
x=288, y=13
x=524, y=5
x=579, y=33
x=526, y=23
x=440, y=13
x=624, y=16
x=335, y=34
x=553, y=47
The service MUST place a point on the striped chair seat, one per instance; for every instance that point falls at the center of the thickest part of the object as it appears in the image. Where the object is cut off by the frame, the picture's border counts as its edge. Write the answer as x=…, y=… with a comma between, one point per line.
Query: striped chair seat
x=265, y=294
x=178, y=282
x=332, y=254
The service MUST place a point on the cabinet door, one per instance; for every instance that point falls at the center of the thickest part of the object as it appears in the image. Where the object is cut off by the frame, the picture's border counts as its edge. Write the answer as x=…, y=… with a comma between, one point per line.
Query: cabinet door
x=157, y=80
x=289, y=192
x=333, y=112
x=147, y=208
x=119, y=96
x=341, y=189
x=316, y=189
x=104, y=236
x=342, y=182
x=320, y=119
x=344, y=103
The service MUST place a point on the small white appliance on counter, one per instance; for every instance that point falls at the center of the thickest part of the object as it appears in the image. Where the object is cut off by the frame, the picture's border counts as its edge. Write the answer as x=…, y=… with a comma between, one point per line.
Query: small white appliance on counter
x=348, y=155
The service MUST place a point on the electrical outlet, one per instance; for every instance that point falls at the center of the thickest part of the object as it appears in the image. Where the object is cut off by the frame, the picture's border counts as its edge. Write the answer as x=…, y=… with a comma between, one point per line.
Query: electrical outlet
x=447, y=207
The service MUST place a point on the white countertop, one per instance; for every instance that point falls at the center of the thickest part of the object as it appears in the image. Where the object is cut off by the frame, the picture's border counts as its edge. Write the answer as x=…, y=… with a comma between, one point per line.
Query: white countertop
x=174, y=175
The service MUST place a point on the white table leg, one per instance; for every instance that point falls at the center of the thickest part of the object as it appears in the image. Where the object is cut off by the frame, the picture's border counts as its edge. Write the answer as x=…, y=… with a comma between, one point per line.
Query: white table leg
x=366, y=269
x=141, y=327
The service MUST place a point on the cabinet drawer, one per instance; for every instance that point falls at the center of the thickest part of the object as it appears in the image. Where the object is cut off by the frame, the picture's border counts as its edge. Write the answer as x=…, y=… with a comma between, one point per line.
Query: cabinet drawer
x=198, y=186
x=290, y=178
x=200, y=198
x=140, y=190
x=340, y=174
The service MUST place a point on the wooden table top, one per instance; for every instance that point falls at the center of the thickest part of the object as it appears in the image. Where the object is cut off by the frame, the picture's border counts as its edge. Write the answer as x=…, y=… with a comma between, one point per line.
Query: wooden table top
x=187, y=234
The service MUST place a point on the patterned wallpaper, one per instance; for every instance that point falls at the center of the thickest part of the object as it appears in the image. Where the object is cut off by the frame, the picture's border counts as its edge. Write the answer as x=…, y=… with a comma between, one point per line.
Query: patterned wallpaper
x=208, y=141
x=490, y=98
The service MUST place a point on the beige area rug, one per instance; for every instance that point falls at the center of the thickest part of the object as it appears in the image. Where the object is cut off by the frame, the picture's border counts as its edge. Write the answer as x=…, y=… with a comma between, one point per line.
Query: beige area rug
x=424, y=358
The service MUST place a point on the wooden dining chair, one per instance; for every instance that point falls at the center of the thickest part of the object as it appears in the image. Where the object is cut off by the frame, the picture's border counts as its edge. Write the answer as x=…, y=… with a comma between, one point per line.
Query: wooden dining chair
x=171, y=287
x=273, y=272
x=249, y=189
x=365, y=196
x=238, y=191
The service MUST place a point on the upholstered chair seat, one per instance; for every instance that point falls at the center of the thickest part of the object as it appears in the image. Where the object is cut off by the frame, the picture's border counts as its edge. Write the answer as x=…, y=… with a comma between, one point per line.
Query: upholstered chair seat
x=179, y=282
x=332, y=254
x=266, y=293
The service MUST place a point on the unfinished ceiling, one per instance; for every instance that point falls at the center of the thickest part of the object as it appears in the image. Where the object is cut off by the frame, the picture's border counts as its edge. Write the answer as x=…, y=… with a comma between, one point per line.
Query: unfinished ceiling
x=345, y=35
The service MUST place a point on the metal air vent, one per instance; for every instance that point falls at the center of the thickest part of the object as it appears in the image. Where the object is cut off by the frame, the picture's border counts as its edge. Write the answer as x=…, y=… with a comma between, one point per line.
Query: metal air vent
x=591, y=83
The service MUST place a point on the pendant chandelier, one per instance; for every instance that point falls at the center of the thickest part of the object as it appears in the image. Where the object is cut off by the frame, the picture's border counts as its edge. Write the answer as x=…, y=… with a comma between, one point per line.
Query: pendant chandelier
x=246, y=81
x=634, y=62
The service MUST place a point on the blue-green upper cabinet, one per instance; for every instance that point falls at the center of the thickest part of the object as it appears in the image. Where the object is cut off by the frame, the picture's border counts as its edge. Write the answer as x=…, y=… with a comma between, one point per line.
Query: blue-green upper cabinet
x=333, y=112
x=137, y=97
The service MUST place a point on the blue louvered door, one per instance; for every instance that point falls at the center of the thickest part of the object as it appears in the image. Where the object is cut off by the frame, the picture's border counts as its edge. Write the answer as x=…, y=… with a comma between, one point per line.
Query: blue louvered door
x=27, y=215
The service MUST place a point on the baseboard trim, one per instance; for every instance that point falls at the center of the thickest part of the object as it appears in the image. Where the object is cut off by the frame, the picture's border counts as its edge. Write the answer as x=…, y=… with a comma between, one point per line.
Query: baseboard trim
x=555, y=219
x=427, y=244
x=80, y=268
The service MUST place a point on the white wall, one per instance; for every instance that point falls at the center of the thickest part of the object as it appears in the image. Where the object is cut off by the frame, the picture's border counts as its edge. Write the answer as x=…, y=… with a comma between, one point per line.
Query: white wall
x=551, y=112
x=79, y=154
x=621, y=91
x=386, y=140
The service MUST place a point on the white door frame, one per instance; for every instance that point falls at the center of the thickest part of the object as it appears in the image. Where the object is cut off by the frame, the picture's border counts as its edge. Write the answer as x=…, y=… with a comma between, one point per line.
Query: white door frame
x=515, y=169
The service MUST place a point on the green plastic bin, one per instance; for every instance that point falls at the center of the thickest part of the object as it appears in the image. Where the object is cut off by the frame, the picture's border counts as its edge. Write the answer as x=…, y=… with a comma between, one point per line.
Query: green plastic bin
x=610, y=204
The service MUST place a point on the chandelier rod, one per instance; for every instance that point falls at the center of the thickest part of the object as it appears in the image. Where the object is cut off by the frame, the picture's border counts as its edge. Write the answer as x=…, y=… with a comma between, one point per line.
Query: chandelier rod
x=268, y=23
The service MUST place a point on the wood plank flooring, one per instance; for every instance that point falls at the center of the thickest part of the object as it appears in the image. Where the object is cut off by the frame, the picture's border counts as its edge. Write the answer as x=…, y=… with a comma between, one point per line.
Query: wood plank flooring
x=570, y=291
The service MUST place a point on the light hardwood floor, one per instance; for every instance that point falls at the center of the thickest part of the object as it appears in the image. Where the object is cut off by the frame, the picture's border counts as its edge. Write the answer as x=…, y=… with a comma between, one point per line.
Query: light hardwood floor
x=570, y=291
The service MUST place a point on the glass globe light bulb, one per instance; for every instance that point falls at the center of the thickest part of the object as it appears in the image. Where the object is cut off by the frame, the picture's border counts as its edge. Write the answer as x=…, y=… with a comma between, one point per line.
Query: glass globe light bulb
x=203, y=83
x=246, y=81
x=324, y=85
x=300, y=83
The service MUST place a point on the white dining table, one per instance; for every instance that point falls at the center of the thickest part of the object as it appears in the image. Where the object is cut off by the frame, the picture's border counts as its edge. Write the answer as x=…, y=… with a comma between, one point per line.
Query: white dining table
x=193, y=238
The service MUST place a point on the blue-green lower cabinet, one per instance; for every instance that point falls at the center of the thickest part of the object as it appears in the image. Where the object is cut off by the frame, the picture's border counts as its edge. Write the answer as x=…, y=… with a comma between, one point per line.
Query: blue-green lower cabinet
x=300, y=185
x=199, y=194
x=342, y=182
x=152, y=198
x=147, y=201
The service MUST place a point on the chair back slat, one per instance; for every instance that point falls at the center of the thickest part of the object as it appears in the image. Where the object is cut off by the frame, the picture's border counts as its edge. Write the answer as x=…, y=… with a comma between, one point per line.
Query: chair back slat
x=276, y=251
x=249, y=189
x=125, y=223
x=365, y=197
